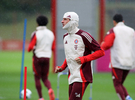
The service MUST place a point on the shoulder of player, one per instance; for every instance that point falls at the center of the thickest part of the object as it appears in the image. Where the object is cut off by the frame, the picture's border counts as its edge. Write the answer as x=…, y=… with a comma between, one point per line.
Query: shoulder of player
x=85, y=35
x=48, y=30
x=65, y=35
x=110, y=31
x=33, y=33
x=130, y=28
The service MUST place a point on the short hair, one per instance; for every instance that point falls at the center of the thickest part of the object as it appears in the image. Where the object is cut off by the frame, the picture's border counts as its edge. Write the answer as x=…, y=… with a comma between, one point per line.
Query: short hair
x=42, y=20
x=118, y=18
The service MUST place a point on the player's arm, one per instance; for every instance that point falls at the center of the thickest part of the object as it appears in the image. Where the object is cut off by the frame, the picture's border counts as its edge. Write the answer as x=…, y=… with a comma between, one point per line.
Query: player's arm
x=97, y=54
x=92, y=45
x=108, y=41
x=62, y=67
x=32, y=43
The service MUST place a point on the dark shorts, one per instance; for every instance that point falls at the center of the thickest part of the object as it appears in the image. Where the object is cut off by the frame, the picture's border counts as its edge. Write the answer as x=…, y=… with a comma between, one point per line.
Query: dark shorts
x=41, y=67
x=119, y=75
x=76, y=90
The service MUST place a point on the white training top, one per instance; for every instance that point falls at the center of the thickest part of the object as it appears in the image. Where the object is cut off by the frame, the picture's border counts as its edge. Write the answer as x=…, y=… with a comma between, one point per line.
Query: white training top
x=44, y=42
x=123, y=51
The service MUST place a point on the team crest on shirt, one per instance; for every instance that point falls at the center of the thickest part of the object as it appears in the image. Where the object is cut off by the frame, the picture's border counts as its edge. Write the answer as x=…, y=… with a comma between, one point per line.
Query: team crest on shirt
x=75, y=46
x=76, y=41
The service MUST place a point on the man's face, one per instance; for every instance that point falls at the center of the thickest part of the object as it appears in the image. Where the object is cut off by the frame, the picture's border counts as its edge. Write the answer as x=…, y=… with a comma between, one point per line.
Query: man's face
x=65, y=21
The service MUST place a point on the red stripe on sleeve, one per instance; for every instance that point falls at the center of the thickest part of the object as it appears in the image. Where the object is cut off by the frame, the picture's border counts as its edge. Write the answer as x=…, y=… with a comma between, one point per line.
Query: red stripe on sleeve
x=108, y=41
x=97, y=54
x=64, y=65
x=32, y=43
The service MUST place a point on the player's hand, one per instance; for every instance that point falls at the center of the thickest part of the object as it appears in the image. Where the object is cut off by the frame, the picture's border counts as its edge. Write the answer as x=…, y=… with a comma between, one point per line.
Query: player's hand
x=58, y=69
x=78, y=60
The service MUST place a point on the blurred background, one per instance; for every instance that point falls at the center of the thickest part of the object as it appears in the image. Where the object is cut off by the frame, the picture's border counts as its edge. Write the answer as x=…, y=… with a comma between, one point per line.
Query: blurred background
x=95, y=17
x=13, y=13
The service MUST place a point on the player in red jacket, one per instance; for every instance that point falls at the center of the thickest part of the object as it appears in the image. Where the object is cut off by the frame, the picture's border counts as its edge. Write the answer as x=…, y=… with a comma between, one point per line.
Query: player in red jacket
x=42, y=44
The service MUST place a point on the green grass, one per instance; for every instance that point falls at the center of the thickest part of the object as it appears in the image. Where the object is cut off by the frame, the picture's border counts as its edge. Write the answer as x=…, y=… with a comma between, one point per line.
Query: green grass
x=10, y=68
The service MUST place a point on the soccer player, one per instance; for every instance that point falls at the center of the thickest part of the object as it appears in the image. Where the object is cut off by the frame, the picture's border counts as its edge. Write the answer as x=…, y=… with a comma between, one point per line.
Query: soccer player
x=120, y=39
x=41, y=43
x=78, y=45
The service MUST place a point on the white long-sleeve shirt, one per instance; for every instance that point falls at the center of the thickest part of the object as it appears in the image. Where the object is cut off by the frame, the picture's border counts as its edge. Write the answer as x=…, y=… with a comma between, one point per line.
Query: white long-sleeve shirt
x=79, y=44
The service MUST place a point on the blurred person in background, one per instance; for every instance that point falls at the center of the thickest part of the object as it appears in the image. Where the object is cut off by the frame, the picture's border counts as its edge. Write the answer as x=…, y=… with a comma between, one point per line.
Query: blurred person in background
x=121, y=41
x=78, y=45
x=42, y=44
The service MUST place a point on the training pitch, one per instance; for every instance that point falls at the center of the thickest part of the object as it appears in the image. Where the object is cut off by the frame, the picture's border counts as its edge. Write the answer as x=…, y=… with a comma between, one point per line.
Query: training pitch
x=10, y=68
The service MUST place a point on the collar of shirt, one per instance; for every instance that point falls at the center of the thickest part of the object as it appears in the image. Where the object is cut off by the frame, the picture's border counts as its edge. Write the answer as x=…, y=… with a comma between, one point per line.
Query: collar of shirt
x=120, y=23
x=75, y=30
x=41, y=27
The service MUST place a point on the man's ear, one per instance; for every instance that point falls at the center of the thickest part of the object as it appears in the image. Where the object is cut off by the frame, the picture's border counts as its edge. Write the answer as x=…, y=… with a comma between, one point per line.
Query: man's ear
x=114, y=23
